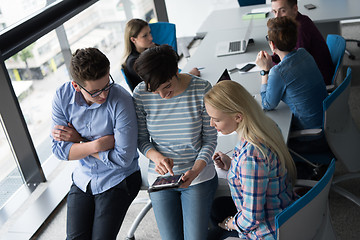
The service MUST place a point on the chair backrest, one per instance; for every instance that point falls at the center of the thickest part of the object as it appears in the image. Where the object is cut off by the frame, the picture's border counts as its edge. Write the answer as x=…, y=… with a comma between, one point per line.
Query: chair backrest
x=164, y=33
x=337, y=46
x=144, y=166
x=244, y=3
x=307, y=217
x=128, y=82
x=342, y=134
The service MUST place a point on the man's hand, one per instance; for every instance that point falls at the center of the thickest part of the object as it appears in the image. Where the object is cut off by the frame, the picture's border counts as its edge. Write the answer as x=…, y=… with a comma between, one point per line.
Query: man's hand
x=66, y=134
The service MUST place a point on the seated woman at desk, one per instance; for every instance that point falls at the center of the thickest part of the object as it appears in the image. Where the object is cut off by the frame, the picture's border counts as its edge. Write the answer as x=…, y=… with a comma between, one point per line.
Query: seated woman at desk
x=175, y=134
x=138, y=38
x=261, y=172
x=296, y=80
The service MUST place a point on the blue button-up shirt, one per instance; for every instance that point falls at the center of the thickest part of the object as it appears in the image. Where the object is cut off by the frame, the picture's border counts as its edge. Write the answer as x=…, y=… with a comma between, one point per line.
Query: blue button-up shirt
x=114, y=117
x=297, y=81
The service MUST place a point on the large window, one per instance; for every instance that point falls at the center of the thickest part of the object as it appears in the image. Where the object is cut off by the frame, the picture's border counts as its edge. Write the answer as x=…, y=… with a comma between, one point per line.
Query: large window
x=38, y=68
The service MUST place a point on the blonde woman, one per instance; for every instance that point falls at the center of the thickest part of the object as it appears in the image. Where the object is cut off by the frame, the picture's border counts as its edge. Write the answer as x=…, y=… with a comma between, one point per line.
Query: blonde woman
x=137, y=39
x=261, y=172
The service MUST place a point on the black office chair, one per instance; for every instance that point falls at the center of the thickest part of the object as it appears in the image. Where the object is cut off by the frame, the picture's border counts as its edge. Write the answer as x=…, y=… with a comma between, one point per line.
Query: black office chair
x=352, y=56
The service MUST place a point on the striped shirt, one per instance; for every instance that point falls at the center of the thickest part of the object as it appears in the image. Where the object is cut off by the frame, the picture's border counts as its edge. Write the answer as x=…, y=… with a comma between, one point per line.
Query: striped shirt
x=178, y=128
x=258, y=189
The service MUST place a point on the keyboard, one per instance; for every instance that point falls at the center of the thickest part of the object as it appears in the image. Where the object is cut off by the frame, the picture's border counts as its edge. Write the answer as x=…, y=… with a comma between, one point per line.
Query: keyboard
x=235, y=46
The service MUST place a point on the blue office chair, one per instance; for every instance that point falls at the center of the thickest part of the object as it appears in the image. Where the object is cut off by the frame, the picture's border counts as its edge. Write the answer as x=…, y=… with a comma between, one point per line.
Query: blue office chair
x=337, y=47
x=308, y=217
x=244, y=3
x=164, y=33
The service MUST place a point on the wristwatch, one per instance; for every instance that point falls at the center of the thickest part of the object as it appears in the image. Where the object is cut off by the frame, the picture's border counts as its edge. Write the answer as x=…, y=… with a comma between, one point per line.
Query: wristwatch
x=263, y=72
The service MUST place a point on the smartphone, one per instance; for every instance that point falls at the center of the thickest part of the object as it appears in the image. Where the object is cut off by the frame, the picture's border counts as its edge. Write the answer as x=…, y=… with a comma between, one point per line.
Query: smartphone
x=309, y=6
x=163, y=182
x=247, y=67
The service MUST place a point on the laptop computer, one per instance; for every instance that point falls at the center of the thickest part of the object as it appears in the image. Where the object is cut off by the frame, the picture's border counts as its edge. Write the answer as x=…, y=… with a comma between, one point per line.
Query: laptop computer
x=224, y=76
x=226, y=48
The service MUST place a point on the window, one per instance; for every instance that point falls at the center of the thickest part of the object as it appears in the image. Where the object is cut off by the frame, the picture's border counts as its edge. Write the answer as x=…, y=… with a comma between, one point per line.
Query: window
x=10, y=176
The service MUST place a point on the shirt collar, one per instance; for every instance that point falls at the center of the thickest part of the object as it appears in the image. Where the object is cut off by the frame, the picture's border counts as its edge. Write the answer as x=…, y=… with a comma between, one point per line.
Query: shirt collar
x=78, y=99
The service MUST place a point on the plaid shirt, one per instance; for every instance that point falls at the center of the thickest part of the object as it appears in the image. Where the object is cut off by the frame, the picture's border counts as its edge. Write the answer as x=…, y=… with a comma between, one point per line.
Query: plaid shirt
x=259, y=190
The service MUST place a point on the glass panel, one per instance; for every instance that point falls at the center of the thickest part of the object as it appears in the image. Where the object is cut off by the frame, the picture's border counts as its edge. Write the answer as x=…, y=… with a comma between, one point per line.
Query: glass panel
x=39, y=69
x=10, y=177
x=102, y=26
x=16, y=10
x=35, y=73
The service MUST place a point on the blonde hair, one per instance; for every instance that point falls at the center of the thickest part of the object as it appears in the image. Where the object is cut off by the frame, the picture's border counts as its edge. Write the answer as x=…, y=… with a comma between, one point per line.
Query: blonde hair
x=232, y=98
x=132, y=29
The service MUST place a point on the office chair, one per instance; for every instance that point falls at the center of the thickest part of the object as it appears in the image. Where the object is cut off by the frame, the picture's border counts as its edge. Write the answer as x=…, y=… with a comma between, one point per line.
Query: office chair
x=352, y=56
x=244, y=3
x=308, y=217
x=128, y=82
x=337, y=47
x=342, y=136
x=164, y=33
x=143, y=163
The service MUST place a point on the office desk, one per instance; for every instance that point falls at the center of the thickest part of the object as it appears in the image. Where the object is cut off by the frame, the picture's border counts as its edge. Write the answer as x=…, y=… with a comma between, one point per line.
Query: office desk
x=205, y=56
x=228, y=19
x=327, y=15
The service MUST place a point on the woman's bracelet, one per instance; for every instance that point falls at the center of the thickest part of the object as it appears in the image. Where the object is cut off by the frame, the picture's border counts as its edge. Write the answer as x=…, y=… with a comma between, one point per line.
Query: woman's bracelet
x=226, y=224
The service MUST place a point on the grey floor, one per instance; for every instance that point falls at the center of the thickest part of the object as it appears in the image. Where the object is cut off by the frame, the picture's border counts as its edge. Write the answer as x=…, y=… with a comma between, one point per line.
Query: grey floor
x=345, y=215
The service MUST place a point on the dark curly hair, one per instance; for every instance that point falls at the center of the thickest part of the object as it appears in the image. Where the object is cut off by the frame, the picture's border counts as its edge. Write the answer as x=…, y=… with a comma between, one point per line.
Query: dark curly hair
x=88, y=64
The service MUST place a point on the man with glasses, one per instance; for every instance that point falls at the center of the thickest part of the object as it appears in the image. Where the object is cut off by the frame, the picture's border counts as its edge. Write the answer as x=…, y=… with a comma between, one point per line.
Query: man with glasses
x=309, y=37
x=95, y=123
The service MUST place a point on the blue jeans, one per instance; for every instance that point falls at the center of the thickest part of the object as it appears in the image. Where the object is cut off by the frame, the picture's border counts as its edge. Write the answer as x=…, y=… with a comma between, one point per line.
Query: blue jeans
x=184, y=213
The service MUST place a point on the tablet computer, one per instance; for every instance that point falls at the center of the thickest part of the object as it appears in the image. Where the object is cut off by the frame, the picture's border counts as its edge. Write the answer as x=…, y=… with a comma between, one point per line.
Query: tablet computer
x=165, y=182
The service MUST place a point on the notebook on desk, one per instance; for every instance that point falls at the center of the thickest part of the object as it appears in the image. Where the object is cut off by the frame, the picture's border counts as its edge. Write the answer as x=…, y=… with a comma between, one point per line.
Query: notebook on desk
x=234, y=47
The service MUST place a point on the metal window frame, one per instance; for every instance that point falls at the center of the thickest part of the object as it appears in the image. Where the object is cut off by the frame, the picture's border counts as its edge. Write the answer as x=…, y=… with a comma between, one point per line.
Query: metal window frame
x=13, y=40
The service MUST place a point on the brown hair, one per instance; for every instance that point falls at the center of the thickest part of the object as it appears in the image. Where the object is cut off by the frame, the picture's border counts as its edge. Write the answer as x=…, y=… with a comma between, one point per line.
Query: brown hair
x=132, y=29
x=232, y=98
x=282, y=32
x=88, y=64
x=156, y=66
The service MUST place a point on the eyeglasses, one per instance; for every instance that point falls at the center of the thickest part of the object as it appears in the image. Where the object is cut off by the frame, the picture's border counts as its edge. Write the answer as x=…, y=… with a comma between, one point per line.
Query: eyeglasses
x=97, y=93
x=267, y=38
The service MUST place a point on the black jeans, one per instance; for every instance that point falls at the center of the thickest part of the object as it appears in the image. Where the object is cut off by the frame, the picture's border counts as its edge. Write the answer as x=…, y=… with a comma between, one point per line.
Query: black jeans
x=100, y=216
